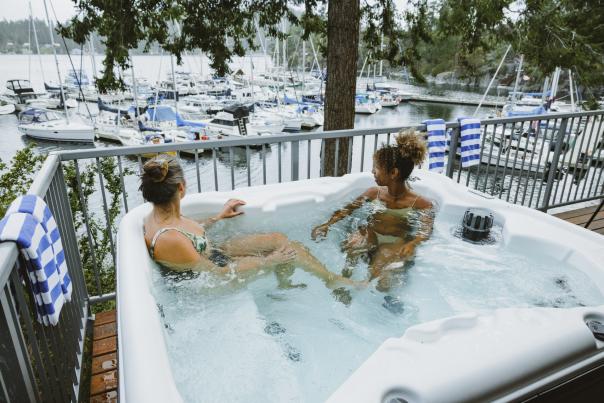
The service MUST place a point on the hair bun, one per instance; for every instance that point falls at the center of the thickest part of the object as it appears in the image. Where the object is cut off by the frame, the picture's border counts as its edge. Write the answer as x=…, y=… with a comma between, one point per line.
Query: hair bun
x=157, y=169
x=411, y=146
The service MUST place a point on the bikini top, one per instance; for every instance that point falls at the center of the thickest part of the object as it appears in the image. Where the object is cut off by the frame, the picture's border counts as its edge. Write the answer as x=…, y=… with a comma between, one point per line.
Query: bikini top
x=400, y=212
x=200, y=242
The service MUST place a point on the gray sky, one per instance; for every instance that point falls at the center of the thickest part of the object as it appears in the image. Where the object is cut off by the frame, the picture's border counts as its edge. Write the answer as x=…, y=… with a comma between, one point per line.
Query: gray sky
x=19, y=9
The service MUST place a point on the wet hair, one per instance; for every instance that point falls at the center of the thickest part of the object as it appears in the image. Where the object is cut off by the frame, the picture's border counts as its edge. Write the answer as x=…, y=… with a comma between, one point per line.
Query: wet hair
x=160, y=179
x=409, y=151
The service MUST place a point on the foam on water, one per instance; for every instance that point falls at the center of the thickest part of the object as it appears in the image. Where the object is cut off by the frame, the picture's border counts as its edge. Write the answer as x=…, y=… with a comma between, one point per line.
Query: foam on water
x=256, y=342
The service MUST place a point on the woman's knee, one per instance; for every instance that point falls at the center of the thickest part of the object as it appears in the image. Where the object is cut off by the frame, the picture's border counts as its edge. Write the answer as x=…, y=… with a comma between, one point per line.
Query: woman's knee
x=278, y=237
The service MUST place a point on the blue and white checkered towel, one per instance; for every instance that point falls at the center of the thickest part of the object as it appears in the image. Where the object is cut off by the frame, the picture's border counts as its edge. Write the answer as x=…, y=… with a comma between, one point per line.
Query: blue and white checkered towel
x=469, y=141
x=437, y=143
x=30, y=224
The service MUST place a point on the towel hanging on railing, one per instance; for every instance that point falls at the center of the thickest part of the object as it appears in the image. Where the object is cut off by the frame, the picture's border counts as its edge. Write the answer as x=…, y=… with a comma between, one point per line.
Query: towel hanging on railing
x=469, y=145
x=437, y=143
x=30, y=224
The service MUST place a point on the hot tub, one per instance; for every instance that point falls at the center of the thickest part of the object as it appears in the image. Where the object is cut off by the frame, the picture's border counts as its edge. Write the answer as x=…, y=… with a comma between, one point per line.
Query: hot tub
x=448, y=345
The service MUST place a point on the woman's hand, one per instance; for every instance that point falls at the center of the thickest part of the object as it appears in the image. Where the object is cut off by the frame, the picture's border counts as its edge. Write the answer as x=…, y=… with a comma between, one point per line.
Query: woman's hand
x=319, y=231
x=408, y=249
x=230, y=209
x=285, y=254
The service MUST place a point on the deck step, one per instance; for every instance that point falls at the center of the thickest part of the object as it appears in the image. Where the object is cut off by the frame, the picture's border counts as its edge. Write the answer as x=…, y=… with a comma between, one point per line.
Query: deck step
x=104, y=368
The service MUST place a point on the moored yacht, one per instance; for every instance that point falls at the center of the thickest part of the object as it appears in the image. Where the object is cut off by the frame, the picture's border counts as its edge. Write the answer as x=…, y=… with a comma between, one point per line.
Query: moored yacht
x=48, y=125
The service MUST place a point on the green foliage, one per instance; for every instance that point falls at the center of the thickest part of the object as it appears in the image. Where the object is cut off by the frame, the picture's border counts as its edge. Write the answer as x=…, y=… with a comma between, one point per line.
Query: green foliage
x=17, y=176
x=97, y=260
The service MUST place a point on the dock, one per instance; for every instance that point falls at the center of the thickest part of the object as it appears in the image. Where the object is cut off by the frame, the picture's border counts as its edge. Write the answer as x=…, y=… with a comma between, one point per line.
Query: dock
x=104, y=369
x=451, y=101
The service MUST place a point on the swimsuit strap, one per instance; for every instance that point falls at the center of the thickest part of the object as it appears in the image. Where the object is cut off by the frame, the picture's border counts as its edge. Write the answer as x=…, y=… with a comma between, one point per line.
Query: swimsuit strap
x=417, y=197
x=192, y=237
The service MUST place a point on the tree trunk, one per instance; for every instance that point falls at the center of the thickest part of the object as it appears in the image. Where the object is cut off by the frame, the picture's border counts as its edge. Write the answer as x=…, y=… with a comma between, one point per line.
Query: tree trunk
x=342, y=51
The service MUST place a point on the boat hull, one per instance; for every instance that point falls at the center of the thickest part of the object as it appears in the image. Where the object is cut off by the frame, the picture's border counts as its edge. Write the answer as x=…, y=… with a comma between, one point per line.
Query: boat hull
x=68, y=133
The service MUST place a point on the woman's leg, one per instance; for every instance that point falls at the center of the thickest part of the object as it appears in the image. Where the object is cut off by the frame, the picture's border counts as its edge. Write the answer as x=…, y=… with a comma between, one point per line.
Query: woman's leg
x=264, y=244
x=254, y=244
x=360, y=243
x=387, y=263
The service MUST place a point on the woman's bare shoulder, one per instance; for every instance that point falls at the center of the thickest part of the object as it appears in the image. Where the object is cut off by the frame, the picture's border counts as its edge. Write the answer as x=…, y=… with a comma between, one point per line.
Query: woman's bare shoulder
x=371, y=193
x=176, y=248
x=422, y=203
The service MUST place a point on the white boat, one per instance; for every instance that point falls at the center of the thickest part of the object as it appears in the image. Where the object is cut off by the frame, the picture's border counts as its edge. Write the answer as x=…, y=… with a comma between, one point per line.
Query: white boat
x=48, y=125
x=51, y=100
x=389, y=100
x=6, y=108
x=364, y=105
x=19, y=92
x=233, y=122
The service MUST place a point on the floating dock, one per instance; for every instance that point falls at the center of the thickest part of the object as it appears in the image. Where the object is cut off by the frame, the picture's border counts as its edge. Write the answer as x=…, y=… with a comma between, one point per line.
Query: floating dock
x=454, y=101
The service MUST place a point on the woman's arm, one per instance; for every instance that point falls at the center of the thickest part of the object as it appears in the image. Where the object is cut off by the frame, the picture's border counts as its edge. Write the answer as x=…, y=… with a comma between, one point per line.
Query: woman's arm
x=426, y=225
x=228, y=211
x=320, y=231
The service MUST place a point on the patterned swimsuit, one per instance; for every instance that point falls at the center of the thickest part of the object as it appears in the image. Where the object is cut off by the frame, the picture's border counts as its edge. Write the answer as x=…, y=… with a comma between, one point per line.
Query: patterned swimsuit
x=200, y=243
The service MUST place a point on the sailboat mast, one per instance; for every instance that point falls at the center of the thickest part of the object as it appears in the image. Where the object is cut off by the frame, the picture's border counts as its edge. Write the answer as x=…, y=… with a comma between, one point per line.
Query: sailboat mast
x=572, y=95
x=303, y=65
x=31, y=15
x=54, y=51
x=381, y=49
x=517, y=79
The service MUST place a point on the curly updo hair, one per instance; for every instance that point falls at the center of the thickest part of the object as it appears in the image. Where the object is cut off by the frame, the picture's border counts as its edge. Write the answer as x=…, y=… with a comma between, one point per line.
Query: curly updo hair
x=409, y=151
x=160, y=178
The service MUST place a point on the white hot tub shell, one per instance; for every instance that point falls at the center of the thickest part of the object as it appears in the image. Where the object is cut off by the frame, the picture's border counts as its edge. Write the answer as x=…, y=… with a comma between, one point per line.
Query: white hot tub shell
x=504, y=354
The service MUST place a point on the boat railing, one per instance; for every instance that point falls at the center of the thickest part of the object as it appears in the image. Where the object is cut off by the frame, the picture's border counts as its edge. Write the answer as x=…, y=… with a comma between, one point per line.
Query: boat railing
x=540, y=162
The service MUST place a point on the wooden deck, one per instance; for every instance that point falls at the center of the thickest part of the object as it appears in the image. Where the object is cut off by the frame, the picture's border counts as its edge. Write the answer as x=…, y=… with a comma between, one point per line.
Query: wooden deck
x=582, y=215
x=103, y=381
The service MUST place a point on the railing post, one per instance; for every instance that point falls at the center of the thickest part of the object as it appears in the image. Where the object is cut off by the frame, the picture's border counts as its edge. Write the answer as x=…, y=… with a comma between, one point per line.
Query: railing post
x=554, y=165
x=295, y=159
x=14, y=359
x=452, y=151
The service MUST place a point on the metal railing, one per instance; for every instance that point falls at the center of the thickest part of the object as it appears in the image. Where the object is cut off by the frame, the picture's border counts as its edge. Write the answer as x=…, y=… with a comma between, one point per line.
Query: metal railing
x=42, y=363
x=538, y=161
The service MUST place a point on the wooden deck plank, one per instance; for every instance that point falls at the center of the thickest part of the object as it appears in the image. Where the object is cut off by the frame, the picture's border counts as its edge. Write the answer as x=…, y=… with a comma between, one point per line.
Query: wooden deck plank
x=102, y=383
x=104, y=346
x=575, y=213
x=104, y=367
x=106, y=330
x=103, y=363
x=583, y=218
x=102, y=318
x=107, y=397
x=596, y=225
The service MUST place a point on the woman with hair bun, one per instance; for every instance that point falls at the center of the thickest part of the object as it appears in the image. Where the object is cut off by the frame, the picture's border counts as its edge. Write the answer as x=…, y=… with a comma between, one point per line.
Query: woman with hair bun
x=180, y=243
x=385, y=240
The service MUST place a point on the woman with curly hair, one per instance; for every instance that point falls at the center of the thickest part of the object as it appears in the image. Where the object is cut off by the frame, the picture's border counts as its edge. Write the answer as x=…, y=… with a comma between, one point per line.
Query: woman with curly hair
x=386, y=239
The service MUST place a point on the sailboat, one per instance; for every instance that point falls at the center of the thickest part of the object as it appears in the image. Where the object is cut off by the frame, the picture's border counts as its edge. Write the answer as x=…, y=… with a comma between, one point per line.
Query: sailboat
x=47, y=125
